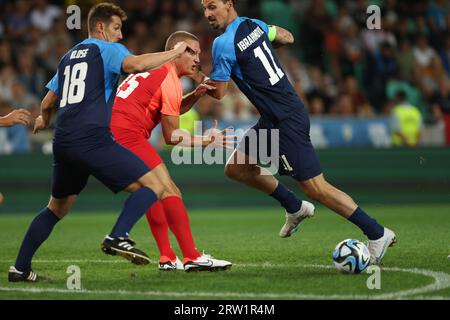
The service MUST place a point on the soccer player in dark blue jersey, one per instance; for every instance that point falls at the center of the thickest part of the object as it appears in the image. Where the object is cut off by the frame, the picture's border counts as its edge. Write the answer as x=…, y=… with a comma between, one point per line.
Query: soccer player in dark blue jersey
x=245, y=53
x=82, y=93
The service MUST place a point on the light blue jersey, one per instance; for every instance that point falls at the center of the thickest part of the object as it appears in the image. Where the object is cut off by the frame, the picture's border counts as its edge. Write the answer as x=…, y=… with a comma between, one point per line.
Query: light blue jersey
x=86, y=83
x=245, y=54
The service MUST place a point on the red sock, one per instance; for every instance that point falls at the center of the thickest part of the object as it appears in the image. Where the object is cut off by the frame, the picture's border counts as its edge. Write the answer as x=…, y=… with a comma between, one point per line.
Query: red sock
x=158, y=225
x=178, y=220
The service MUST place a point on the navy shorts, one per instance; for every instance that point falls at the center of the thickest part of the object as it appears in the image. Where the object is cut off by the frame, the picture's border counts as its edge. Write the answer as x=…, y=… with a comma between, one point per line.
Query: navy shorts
x=296, y=156
x=113, y=165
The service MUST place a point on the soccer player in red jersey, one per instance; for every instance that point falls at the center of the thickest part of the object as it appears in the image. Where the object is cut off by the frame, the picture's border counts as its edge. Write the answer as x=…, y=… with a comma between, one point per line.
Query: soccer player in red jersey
x=142, y=102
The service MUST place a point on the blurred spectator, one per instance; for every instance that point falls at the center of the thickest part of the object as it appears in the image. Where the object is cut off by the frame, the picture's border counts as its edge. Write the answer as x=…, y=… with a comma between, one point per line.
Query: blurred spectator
x=406, y=60
x=313, y=33
x=429, y=70
x=337, y=65
x=352, y=49
x=407, y=123
x=333, y=43
x=208, y=107
x=28, y=72
x=437, y=13
x=321, y=86
x=22, y=99
x=445, y=55
x=395, y=85
x=380, y=66
x=296, y=72
x=5, y=53
x=236, y=106
x=440, y=107
x=7, y=78
x=360, y=103
x=374, y=39
x=18, y=22
x=390, y=11
x=344, y=106
x=43, y=15
x=316, y=105
x=53, y=46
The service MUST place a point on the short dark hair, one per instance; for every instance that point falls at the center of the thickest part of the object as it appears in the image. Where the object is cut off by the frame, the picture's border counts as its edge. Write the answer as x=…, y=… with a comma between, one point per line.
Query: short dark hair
x=178, y=36
x=103, y=12
x=234, y=2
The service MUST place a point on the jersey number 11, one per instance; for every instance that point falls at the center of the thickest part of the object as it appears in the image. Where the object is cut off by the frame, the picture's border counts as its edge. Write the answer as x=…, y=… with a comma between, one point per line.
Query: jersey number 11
x=275, y=75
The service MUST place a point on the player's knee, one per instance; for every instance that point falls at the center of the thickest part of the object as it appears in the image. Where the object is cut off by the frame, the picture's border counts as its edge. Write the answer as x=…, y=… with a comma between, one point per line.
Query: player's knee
x=59, y=213
x=152, y=182
x=170, y=190
x=133, y=187
x=60, y=210
x=173, y=189
x=158, y=189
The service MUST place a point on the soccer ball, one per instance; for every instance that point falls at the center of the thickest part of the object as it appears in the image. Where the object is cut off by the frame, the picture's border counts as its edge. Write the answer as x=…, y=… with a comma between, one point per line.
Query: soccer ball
x=351, y=256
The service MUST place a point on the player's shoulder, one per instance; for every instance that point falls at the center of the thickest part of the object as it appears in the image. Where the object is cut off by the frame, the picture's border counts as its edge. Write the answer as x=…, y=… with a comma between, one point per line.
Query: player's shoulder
x=260, y=23
x=104, y=45
x=222, y=41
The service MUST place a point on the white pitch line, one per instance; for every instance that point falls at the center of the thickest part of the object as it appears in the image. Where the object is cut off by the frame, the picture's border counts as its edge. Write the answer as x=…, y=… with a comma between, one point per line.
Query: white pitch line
x=429, y=298
x=441, y=281
x=243, y=295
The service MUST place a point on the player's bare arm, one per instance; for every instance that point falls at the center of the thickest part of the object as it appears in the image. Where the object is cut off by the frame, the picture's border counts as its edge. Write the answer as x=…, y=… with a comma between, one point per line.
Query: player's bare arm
x=47, y=109
x=175, y=136
x=149, y=61
x=191, y=98
x=19, y=116
x=281, y=36
x=220, y=91
x=198, y=76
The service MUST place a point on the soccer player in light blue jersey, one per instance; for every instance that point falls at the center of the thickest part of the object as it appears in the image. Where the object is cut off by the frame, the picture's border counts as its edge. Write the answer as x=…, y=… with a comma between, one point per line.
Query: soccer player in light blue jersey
x=81, y=94
x=244, y=52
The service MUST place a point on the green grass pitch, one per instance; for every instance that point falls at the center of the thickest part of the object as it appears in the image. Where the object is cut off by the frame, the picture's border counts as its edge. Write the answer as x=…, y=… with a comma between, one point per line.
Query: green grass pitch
x=265, y=266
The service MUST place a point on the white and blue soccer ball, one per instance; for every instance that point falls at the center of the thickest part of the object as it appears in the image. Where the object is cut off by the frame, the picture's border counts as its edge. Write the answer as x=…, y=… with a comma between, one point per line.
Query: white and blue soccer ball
x=351, y=256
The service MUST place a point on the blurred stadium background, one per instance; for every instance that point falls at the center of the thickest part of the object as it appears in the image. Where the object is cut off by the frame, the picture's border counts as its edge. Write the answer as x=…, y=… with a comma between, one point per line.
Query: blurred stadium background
x=354, y=81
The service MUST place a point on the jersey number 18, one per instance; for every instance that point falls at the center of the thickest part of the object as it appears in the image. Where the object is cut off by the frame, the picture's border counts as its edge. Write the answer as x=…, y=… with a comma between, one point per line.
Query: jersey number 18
x=74, y=84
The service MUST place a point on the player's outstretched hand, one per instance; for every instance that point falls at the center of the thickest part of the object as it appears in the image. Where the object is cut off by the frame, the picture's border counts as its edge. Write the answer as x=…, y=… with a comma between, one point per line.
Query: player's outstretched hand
x=180, y=48
x=201, y=90
x=39, y=124
x=19, y=116
x=222, y=138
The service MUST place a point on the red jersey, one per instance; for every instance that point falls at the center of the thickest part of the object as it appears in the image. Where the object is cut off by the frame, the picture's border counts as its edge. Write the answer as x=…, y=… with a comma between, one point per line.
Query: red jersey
x=143, y=97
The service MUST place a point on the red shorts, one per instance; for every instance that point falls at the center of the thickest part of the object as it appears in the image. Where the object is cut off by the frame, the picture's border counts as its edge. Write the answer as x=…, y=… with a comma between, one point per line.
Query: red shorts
x=139, y=145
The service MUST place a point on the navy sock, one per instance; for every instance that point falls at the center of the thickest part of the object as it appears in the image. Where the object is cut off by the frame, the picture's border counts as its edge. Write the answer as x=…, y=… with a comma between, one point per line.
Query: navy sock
x=135, y=207
x=371, y=228
x=287, y=198
x=39, y=230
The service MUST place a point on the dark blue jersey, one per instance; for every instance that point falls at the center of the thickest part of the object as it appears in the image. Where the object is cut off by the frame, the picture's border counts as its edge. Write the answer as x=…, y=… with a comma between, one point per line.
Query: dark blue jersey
x=86, y=83
x=245, y=54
